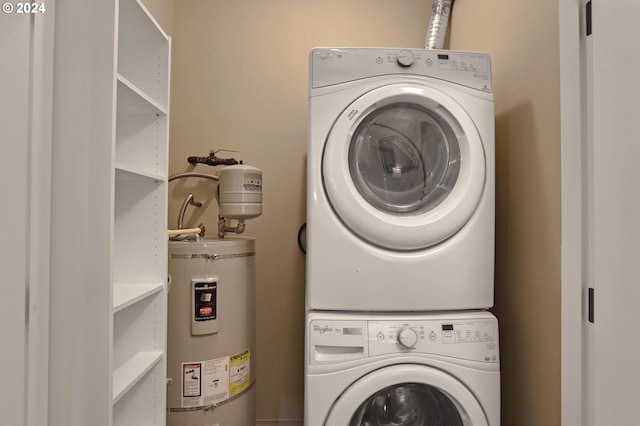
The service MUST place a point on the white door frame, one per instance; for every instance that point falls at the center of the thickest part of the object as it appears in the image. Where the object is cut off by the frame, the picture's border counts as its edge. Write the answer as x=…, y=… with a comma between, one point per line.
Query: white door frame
x=573, y=165
x=27, y=93
x=42, y=137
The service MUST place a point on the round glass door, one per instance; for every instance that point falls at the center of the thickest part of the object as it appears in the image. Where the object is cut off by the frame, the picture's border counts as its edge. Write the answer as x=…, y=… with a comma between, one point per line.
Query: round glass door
x=406, y=395
x=407, y=404
x=404, y=167
x=404, y=158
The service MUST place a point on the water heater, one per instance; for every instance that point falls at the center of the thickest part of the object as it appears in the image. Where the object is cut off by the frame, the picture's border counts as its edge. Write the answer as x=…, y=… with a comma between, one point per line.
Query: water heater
x=211, y=333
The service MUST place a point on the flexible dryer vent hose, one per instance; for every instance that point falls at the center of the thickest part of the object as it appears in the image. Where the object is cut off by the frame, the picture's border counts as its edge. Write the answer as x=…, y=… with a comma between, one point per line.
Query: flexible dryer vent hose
x=437, y=31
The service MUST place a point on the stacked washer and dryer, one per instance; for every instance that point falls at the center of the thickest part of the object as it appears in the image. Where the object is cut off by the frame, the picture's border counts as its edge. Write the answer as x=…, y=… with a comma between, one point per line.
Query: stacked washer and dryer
x=400, y=240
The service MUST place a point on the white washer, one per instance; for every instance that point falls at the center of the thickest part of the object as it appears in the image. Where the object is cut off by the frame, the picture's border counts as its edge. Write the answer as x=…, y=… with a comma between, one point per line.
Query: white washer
x=410, y=370
x=400, y=175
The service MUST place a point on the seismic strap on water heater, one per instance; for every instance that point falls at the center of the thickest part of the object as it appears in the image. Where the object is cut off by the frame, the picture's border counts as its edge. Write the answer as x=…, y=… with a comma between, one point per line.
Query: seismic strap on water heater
x=437, y=31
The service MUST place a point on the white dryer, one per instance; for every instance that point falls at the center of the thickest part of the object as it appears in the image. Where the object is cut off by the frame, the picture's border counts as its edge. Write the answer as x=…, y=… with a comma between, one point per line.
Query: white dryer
x=411, y=370
x=400, y=175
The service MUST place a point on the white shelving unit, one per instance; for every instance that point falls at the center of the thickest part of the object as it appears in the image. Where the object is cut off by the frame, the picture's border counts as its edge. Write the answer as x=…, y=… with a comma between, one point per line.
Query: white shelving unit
x=108, y=321
x=140, y=218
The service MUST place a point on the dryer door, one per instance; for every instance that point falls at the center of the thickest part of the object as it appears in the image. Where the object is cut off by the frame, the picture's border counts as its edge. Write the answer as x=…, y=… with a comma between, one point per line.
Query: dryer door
x=404, y=167
x=407, y=395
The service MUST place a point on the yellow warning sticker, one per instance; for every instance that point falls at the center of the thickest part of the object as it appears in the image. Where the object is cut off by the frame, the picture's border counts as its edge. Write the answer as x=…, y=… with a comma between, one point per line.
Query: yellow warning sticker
x=239, y=372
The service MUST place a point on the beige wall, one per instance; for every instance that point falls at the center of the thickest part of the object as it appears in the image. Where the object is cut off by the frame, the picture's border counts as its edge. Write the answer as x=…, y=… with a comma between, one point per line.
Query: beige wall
x=240, y=82
x=523, y=43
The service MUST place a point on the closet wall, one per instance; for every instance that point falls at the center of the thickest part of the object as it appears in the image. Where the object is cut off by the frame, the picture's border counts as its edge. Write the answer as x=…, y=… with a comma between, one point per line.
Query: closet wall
x=240, y=82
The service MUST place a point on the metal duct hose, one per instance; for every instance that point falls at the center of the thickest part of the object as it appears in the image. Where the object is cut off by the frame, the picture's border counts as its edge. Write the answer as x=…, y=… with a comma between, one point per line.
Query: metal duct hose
x=437, y=30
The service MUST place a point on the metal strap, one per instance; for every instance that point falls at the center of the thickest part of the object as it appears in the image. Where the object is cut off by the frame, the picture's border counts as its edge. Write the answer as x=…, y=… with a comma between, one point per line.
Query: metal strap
x=210, y=256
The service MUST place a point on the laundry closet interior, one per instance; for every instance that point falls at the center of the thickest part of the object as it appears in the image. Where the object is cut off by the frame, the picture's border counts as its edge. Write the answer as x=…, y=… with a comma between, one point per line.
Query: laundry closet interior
x=239, y=86
x=262, y=95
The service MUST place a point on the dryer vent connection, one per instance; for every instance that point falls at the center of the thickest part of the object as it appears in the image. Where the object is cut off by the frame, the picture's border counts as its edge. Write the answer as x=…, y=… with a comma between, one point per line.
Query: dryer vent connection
x=437, y=31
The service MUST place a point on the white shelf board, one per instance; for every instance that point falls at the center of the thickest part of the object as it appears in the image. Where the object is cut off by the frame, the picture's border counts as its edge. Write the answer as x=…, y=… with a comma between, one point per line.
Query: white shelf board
x=132, y=99
x=128, y=172
x=125, y=295
x=132, y=371
x=143, y=51
x=142, y=404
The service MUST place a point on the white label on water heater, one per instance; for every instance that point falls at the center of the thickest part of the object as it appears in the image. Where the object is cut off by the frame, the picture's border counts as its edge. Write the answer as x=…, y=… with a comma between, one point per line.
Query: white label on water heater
x=205, y=382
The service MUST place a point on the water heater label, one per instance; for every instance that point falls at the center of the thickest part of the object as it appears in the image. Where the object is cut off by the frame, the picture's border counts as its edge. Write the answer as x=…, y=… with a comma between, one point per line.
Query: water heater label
x=205, y=308
x=239, y=372
x=205, y=382
x=192, y=380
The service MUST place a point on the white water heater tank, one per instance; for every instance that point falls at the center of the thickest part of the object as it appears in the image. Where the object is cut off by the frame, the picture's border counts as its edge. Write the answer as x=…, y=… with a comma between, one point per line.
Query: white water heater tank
x=240, y=192
x=211, y=333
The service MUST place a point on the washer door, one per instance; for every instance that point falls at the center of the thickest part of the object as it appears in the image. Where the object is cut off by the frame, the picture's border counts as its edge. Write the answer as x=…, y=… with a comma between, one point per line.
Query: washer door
x=406, y=395
x=404, y=167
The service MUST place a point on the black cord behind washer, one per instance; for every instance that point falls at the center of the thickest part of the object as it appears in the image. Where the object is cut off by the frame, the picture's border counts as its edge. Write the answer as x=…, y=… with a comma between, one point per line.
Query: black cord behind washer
x=300, y=231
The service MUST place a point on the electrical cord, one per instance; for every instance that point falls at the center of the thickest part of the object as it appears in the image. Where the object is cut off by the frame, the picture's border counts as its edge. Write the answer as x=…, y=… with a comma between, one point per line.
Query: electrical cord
x=302, y=230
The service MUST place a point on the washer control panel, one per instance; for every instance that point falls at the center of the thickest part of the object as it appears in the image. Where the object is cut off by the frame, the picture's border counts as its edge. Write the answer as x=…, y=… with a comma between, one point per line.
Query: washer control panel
x=463, y=338
x=473, y=339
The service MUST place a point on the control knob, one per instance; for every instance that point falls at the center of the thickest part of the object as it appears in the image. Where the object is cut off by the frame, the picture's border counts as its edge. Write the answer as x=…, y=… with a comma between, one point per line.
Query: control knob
x=407, y=337
x=405, y=58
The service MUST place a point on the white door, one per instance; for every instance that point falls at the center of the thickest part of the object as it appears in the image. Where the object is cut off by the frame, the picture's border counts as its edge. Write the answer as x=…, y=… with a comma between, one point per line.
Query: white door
x=615, y=214
x=404, y=166
x=406, y=395
x=601, y=374
x=25, y=134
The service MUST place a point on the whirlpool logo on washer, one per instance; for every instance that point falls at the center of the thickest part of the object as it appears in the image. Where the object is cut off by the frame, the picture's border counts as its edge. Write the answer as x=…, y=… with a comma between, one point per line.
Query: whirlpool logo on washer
x=321, y=329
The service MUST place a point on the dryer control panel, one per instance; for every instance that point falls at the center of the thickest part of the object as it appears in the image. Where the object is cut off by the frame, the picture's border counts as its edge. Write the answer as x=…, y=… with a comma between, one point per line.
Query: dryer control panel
x=472, y=339
x=331, y=66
